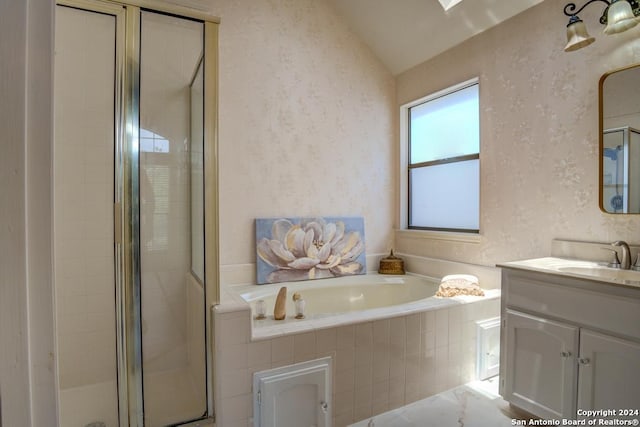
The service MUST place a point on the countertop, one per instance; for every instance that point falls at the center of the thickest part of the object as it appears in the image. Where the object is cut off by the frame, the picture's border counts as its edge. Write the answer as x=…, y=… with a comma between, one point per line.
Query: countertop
x=581, y=269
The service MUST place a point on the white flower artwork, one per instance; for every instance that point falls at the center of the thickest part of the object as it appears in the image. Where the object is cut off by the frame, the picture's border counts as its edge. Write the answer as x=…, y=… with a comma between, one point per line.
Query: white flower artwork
x=292, y=249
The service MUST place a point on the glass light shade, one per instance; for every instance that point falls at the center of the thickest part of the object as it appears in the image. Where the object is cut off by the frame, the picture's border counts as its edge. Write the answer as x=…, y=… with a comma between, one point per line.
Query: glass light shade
x=620, y=17
x=577, y=36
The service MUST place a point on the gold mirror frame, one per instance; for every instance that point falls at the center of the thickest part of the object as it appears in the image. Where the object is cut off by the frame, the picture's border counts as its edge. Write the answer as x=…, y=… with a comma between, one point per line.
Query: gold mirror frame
x=601, y=131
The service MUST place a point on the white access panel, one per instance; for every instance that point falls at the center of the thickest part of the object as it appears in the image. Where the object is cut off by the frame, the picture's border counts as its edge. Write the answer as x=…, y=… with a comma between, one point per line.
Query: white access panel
x=297, y=395
x=488, y=333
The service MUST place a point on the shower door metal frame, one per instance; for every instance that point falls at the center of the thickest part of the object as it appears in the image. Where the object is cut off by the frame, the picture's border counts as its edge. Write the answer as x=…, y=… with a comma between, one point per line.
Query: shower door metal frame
x=127, y=192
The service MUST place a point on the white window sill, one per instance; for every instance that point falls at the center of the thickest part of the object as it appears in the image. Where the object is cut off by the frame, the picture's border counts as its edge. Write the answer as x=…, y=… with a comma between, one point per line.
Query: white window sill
x=439, y=235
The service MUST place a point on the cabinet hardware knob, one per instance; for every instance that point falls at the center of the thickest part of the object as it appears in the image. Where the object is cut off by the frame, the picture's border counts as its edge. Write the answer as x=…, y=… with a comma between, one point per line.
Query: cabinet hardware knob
x=565, y=354
x=584, y=360
x=324, y=406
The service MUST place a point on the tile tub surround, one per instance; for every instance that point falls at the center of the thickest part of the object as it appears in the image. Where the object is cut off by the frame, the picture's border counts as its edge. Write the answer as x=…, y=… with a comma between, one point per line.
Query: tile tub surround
x=378, y=364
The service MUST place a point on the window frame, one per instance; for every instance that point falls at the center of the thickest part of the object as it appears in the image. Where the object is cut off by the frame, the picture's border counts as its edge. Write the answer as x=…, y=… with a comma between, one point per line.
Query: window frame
x=458, y=234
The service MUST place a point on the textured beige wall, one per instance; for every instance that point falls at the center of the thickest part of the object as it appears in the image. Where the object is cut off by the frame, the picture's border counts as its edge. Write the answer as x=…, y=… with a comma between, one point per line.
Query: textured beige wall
x=307, y=122
x=539, y=133
x=15, y=386
x=27, y=386
x=27, y=389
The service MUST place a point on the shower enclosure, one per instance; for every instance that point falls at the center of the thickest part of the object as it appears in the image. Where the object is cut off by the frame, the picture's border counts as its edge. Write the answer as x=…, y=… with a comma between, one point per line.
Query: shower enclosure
x=621, y=170
x=134, y=193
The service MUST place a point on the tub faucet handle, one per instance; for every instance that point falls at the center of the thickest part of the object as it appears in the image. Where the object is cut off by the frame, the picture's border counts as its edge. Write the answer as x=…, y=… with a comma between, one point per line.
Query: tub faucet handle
x=260, y=309
x=299, y=306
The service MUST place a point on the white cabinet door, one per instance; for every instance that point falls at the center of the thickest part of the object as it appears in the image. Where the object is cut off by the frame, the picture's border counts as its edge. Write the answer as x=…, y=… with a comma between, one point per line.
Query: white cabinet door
x=295, y=401
x=541, y=369
x=609, y=373
x=297, y=395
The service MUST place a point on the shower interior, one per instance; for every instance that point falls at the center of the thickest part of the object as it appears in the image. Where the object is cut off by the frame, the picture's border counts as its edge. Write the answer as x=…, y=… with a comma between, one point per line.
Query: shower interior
x=621, y=170
x=129, y=217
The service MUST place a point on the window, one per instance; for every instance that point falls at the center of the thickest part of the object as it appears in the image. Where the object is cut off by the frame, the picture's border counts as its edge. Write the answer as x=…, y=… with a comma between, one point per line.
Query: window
x=153, y=143
x=443, y=160
x=448, y=4
x=156, y=162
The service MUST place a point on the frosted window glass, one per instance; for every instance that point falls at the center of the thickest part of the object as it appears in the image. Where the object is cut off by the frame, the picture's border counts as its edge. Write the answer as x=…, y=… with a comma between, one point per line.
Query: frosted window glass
x=445, y=127
x=446, y=196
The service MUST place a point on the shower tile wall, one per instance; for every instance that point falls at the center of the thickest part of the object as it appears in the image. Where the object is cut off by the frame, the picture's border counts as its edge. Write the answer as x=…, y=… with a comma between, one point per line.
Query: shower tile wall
x=378, y=365
x=83, y=198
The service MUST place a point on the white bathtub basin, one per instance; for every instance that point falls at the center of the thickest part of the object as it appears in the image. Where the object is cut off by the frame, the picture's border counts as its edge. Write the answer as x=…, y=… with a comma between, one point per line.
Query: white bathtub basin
x=347, y=294
x=342, y=301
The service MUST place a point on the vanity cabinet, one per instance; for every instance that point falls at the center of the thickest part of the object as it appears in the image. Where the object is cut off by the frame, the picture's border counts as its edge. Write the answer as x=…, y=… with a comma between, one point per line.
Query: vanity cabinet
x=568, y=344
x=541, y=376
x=609, y=372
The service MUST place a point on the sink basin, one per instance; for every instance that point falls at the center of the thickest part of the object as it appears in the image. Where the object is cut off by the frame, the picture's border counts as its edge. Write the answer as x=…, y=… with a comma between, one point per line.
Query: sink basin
x=579, y=268
x=603, y=272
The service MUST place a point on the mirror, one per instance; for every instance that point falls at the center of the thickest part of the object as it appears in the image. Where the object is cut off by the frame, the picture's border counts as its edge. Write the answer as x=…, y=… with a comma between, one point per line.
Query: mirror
x=620, y=141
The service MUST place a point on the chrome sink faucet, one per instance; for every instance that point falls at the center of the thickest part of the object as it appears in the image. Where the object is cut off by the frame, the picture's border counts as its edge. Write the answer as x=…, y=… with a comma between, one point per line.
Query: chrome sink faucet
x=625, y=263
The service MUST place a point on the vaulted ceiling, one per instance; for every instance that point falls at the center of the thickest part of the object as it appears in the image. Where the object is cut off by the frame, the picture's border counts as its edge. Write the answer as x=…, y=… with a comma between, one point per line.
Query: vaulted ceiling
x=404, y=33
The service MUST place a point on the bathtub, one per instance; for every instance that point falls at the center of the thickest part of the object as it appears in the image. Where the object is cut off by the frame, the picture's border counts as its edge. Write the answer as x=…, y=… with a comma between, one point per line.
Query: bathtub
x=346, y=300
x=387, y=331
x=347, y=294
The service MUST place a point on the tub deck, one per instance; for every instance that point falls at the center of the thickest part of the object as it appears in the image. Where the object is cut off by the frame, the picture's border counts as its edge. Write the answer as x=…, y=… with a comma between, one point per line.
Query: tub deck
x=410, y=299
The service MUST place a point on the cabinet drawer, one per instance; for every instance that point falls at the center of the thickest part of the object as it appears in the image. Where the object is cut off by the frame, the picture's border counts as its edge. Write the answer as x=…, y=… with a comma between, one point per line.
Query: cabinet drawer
x=586, y=303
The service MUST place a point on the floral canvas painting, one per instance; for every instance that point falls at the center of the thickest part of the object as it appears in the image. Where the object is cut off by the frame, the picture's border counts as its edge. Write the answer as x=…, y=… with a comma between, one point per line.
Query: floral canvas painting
x=292, y=249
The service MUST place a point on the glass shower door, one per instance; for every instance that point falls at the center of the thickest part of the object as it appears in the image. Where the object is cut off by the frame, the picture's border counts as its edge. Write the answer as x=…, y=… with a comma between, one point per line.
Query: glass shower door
x=129, y=225
x=172, y=278
x=85, y=105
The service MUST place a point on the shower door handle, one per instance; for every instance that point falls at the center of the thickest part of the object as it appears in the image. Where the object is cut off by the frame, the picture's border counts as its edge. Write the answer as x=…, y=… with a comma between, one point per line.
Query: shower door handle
x=117, y=223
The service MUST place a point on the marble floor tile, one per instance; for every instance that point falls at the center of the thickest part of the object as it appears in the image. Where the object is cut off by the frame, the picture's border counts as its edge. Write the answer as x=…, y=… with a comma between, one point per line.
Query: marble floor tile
x=476, y=404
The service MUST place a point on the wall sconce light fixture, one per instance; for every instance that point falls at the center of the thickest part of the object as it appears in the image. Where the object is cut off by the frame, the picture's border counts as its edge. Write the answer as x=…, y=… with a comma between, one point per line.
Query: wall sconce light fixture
x=618, y=16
